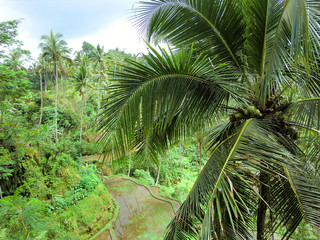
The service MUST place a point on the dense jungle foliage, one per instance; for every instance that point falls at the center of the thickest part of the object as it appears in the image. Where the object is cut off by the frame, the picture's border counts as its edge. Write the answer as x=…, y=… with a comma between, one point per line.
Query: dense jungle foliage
x=46, y=190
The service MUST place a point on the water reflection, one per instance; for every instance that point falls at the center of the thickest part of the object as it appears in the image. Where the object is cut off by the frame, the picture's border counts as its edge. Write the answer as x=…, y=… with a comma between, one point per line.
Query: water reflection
x=140, y=216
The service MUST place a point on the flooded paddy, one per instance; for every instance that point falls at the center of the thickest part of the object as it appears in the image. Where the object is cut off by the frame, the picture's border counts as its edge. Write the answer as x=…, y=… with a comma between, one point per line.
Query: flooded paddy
x=141, y=216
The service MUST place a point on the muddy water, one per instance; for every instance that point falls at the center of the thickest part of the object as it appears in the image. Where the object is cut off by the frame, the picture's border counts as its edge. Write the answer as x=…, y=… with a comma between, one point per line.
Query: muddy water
x=141, y=216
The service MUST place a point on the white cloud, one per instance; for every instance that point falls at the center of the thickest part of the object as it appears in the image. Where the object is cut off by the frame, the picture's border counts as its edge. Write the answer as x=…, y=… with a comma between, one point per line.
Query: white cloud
x=120, y=35
x=107, y=27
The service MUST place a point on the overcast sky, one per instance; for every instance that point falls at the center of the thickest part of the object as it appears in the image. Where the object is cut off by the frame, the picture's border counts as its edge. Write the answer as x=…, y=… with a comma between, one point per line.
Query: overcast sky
x=106, y=22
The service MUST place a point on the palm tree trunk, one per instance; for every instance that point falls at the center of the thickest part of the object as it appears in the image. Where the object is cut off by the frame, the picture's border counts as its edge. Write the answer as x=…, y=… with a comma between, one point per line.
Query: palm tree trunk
x=180, y=151
x=85, y=103
x=111, y=157
x=45, y=81
x=81, y=121
x=63, y=89
x=27, y=235
x=158, y=175
x=98, y=97
x=41, y=107
x=56, y=102
x=129, y=164
x=262, y=206
x=0, y=193
x=196, y=156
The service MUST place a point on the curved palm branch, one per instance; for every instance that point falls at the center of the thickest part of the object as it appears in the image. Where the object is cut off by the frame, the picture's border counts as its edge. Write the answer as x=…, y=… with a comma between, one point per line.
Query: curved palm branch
x=221, y=203
x=217, y=25
x=288, y=28
x=177, y=89
x=282, y=34
x=305, y=113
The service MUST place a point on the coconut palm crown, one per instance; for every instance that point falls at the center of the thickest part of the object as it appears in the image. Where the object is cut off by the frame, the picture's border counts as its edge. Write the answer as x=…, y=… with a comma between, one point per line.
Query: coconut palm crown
x=55, y=50
x=253, y=63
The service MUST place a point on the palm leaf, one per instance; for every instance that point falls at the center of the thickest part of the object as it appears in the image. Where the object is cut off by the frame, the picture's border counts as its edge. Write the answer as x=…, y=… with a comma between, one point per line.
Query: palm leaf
x=217, y=25
x=287, y=42
x=305, y=113
x=305, y=180
x=250, y=148
x=173, y=90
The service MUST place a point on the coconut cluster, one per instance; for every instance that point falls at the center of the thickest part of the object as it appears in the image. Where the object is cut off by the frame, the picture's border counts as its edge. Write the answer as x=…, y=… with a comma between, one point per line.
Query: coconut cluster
x=250, y=112
x=284, y=127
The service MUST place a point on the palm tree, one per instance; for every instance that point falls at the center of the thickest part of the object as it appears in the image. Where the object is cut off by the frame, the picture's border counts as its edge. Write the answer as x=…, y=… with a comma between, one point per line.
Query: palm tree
x=40, y=67
x=16, y=58
x=98, y=58
x=254, y=61
x=55, y=50
x=81, y=81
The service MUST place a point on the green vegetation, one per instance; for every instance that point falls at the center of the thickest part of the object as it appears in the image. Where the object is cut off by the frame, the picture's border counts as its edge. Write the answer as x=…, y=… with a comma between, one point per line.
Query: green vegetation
x=89, y=215
x=46, y=192
x=225, y=119
x=82, y=189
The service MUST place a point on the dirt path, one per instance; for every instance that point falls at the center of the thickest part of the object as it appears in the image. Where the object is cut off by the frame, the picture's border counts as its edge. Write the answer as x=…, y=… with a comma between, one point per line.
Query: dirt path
x=104, y=236
x=92, y=158
x=141, y=216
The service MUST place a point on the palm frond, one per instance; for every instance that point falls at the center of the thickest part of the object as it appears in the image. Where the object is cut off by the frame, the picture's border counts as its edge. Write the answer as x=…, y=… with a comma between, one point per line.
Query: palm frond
x=305, y=113
x=313, y=16
x=177, y=90
x=287, y=42
x=264, y=14
x=249, y=148
x=313, y=152
x=305, y=180
x=217, y=25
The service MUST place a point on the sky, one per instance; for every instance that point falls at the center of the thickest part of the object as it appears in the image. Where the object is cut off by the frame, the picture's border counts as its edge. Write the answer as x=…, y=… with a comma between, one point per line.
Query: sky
x=104, y=22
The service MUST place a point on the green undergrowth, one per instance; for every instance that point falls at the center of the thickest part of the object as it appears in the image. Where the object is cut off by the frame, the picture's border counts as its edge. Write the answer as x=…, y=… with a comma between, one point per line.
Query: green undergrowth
x=83, y=188
x=109, y=225
x=20, y=218
x=76, y=206
x=180, y=189
x=144, y=177
x=89, y=215
x=85, y=208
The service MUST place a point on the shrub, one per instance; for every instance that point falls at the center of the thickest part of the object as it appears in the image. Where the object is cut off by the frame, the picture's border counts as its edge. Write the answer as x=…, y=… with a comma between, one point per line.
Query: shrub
x=144, y=176
x=86, y=185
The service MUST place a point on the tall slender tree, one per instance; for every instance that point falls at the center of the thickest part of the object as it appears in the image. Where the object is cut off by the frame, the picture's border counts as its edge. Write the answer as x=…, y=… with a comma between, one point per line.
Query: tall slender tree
x=81, y=82
x=55, y=50
x=98, y=58
x=257, y=62
x=40, y=68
